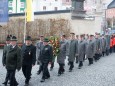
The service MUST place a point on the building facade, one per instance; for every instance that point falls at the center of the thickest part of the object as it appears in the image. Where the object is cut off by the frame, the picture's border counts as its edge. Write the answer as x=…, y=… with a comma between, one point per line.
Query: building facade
x=110, y=15
x=18, y=6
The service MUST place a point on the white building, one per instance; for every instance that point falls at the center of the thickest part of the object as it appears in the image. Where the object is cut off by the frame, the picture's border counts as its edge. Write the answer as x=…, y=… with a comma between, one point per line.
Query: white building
x=18, y=6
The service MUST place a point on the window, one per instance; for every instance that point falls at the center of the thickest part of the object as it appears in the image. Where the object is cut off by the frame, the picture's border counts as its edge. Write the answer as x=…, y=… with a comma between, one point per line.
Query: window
x=56, y=0
x=44, y=7
x=10, y=4
x=22, y=4
x=56, y=8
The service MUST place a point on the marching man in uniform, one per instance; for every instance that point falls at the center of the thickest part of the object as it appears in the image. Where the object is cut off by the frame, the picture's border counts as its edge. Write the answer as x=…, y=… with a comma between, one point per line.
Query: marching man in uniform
x=4, y=58
x=46, y=58
x=90, y=51
x=28, y=58
x=62, y=55
x=81, y=51
x=13, y=61
x=39, y=47
x=73, y=51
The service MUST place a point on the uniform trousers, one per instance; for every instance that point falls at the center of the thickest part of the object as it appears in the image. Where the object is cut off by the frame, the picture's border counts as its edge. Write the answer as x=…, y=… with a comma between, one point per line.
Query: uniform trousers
x=26, y=69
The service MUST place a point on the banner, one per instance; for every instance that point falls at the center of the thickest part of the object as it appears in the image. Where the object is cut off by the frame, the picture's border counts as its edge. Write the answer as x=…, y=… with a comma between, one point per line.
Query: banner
x=3, y=11
x=29, y=9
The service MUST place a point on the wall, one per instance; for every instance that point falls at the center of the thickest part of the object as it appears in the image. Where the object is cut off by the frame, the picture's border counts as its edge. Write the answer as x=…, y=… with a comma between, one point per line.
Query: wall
x=78, y=26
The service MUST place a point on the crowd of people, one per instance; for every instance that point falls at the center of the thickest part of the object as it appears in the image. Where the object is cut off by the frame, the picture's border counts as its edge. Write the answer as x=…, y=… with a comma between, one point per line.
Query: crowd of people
x=77, y=48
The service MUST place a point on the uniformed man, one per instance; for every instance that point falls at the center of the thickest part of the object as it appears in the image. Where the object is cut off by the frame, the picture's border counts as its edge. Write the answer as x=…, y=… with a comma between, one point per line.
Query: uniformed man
x=103, y=45
x=4, y=58
x=90, y=51
x=77, y=39
x=12, y=60
x=46, y=58
x=73, y=51
x=62, y=54
x=29, y=58
x=39, y=47
x=81, y=51
x=97, y=47
x=108, y=44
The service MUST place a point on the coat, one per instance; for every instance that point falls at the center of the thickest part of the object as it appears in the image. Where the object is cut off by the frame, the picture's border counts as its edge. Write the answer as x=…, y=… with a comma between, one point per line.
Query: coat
x=39, y=47
x=90, y=51
x=73, y=50
x=63, y=52
x=28, y=54
x=103, y=44
x=46, y=54
x=108, y=42
x=4, y=54
x=97, y=46
x=13, y=58
x=81, y=50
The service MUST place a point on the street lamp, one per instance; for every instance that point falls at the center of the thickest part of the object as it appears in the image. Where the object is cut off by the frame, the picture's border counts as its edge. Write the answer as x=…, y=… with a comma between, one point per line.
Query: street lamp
x=104, y=18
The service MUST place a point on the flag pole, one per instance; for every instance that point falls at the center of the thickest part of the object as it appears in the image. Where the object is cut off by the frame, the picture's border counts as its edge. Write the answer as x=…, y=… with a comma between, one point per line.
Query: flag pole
x=25, y=27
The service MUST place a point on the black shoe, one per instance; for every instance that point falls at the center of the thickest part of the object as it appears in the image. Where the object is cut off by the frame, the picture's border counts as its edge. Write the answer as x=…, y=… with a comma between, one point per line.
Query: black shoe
x=43, y=80
x=62, y=72
x=38, y=73
x=26, y=82
x=26, y=85
x=59, y=74
x=47, y=77
x=9, y=82
x=5, y=83
x=17, y=83
x=89, y=64
x=76, y=62
x=79, y=67
x=70, y=70
x=51, y=69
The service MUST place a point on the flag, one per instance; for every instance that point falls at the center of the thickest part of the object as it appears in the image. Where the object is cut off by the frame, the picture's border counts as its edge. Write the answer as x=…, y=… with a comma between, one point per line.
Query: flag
x=29, y=9
x=3, y=11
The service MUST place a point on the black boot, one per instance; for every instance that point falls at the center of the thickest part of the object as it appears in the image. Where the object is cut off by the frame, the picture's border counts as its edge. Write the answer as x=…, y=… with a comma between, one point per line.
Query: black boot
x=5, y=83
x=42, y=80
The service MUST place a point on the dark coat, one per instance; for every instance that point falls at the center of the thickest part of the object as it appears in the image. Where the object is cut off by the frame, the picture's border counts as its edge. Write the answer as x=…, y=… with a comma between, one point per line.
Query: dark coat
x=46, y=54
x=4, y=54
x=108, y=42
x=13, y=58
x=28, y=55
x=63, y=52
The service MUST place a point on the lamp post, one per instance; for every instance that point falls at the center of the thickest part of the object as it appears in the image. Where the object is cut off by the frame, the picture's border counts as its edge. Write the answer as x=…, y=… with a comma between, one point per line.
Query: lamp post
x=104, y=18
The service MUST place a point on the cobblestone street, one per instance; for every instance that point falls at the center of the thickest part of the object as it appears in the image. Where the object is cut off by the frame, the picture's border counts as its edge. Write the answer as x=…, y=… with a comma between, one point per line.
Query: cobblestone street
x=101, y=73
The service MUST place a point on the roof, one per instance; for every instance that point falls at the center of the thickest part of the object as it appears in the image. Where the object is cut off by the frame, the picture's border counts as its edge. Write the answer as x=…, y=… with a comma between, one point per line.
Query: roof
x=111, y=5
x=40, y=13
